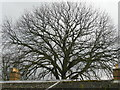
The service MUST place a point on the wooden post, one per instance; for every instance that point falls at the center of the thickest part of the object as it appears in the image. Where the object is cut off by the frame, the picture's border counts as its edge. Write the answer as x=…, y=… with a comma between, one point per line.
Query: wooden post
x=116, y=72
x=14, y=74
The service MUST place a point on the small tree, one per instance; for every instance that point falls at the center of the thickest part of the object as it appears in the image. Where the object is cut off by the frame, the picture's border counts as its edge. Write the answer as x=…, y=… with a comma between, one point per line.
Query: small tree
x=63, y=41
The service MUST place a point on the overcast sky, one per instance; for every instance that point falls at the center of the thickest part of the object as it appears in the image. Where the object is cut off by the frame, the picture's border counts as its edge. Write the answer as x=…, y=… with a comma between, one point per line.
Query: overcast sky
x=14, y=8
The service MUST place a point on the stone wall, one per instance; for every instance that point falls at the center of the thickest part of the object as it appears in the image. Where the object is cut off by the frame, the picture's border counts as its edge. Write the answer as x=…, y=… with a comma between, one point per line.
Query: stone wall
x=62, y=85
x=88, y=84
x=26, y=85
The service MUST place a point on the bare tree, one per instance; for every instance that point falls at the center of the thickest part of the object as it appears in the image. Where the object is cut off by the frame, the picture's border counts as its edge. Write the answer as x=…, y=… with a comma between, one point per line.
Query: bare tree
x=63, y=41
x=6, y=63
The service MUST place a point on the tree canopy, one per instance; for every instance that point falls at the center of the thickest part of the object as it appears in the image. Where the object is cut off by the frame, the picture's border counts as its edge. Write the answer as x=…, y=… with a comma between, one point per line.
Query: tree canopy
x=62, y=41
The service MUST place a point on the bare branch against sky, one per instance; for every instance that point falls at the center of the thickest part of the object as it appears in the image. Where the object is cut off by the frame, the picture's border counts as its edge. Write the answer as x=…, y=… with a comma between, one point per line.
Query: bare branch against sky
x=119, y=28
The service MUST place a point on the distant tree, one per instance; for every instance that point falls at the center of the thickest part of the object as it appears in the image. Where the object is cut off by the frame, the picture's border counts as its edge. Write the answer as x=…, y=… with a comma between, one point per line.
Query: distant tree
x=9, y=58
x=5, y=66
x=63, y=41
